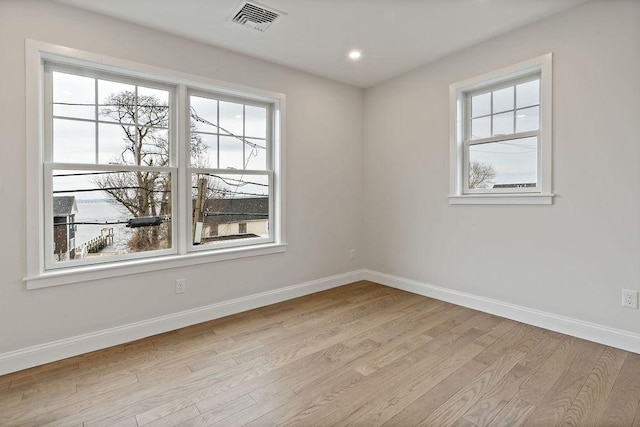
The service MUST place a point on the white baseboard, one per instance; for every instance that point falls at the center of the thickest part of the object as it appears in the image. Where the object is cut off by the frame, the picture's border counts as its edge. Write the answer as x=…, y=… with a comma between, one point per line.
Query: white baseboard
x=57, y=350
x=578, y=328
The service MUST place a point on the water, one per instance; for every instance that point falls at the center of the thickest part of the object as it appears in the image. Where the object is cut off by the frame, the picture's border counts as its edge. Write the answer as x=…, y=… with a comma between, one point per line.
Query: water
x=103, y=211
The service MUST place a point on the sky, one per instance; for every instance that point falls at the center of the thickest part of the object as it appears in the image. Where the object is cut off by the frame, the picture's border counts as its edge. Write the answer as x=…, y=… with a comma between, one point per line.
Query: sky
x=81, y=134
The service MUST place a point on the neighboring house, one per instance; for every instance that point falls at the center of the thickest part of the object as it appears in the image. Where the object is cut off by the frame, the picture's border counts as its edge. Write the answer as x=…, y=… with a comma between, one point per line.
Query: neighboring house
x=239, y=217
x=64, y=231
x=519, y=185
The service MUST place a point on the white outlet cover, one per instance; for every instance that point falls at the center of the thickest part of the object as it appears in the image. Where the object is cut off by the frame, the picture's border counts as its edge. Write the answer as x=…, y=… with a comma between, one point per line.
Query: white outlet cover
x=181, y=286
x=629, y=298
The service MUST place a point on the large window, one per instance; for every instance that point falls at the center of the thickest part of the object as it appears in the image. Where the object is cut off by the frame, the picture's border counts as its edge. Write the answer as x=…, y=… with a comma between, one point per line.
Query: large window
x=501, y=136
x=230, y=170
x=110, y=154
x=138, y=167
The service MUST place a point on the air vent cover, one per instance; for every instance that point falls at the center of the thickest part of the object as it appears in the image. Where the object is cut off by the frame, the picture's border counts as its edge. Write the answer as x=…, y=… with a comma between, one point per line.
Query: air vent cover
x=255, y=15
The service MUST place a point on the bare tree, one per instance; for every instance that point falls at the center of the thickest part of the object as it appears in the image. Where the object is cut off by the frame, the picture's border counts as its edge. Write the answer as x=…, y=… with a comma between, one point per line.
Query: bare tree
x=480, y=175
x=143, y=120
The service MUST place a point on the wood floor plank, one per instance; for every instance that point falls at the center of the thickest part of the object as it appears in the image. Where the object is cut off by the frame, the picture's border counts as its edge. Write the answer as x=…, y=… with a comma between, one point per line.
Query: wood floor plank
x=386, y=379
x=467, y=396
x=593, y=395
x=555, y=403
x=214, y=415
x=515, y=413
x=434, y=397
x=492, y=403
x=408, y=386
x=535, y=388
x=113, y=421
x=276, y=410
x=361, y=354
x=174, y=418
x=305, y=412
x=624, y=400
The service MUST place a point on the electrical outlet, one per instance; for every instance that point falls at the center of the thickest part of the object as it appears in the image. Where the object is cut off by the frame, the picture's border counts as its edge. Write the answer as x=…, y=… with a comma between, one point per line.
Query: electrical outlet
x=629, y=298
x=352, y=253
x=181, y=286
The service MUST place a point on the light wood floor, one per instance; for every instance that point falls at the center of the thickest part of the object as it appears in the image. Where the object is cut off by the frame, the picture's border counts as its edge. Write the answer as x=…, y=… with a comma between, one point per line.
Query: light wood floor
x=362, y=354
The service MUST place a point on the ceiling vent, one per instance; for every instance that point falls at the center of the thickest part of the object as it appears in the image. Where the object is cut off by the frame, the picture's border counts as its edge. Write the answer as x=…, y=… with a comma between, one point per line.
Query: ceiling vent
x=255, y=15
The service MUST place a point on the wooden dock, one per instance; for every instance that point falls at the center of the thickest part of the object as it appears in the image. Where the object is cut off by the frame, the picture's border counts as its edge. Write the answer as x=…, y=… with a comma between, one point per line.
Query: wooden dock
x=97, y=244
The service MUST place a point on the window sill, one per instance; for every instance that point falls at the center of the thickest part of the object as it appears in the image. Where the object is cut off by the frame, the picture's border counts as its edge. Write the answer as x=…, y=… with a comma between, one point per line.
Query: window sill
x=502, y=199
x=116, y=269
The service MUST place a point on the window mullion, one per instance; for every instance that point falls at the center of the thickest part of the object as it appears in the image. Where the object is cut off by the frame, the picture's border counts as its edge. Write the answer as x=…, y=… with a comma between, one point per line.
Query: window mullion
x=500, y=138
x=514, y=108
x=244, y=133
x=183, y=141
x=218, y=136
x=492, y=116
x=96, y=126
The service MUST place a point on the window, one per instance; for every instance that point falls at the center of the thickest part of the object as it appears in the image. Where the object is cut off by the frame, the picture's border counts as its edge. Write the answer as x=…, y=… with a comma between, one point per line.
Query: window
x=230, y=169
x=501, y=136
x=139, y=168
x=109, y=152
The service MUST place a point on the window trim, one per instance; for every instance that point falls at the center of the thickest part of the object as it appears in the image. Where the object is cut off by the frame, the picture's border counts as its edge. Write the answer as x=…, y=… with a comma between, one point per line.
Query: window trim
x=269, y=171
x=36, y=53
x=91, y=71
x=458, y=94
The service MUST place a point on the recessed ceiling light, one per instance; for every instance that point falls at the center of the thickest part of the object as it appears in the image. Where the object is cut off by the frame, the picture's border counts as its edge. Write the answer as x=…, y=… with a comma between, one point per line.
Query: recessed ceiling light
x=355, y=54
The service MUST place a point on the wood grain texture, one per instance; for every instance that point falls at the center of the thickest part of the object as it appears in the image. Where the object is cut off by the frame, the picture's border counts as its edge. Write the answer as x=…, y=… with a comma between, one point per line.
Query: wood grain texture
x=592, y=397
x=361, y=355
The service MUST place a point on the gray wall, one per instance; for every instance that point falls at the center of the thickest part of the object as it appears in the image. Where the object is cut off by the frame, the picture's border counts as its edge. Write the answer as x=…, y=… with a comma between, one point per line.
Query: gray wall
x=571, y=258
x=371, y=172
x=323, y=189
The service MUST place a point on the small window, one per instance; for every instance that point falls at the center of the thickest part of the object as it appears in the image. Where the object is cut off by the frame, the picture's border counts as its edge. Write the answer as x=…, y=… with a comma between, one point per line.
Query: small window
x=501, y=139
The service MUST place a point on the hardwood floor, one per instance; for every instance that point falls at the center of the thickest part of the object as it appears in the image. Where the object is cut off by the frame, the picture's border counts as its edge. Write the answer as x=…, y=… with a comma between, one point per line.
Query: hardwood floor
x=361, y=355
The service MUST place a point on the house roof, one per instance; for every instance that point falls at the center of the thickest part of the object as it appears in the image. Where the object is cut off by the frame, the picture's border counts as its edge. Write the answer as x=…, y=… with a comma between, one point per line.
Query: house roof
x=64, y=205
x=222, y=211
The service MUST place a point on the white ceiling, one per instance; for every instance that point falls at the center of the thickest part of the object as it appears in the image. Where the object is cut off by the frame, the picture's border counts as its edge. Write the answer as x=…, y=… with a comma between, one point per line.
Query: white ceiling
x=394, y=36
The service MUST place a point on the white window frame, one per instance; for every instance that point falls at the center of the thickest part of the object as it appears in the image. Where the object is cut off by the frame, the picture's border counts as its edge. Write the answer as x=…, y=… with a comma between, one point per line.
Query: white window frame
x=459, y=100
x=269, y=171
x=38, y=271
x=50, y=165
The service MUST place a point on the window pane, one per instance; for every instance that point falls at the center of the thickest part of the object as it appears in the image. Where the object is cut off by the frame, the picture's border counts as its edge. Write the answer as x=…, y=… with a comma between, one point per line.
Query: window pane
x=74, y=96
x=222, y=203
x=153, y=107
x=204, y=150
x=503, y=123
x=528, y=94
x=204, y=114
x=74, y=141
x=528, y=119
x=116, y=144
x=481, y=105
x=255, y=121
x=481, y=128
x=117, y=102
x=505, y=164
x=231, y=118
x=92, y=211
x=503, y=99
x=153, y=147
x=231, y=153
x=256, y=154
